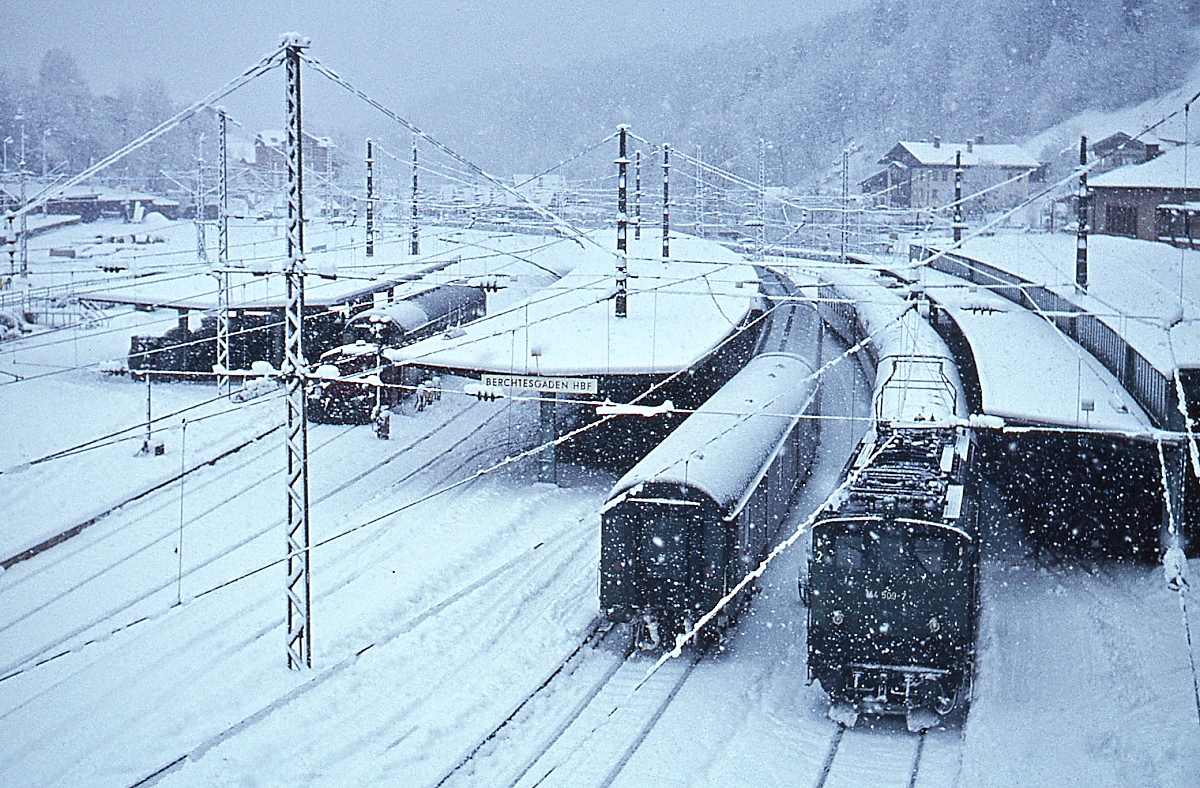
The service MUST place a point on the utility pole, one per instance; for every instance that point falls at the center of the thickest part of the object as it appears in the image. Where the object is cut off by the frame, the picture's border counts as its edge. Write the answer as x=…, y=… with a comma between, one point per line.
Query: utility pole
x=299, y=589
x=223, y=188
x=845, y=201
x=201, y=241
x=415, y=248
x=622, y=222
x=666, y=227
x=24, y=214
x=637, y=195
x=223, y=256
x=1081, y=238
x=762, y=198
x=370, y=200
x=699, y=191
x=958, y=211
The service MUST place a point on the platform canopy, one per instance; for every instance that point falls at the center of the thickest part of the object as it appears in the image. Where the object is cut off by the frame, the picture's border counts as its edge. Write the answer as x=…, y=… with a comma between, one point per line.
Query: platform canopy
x=680, y=309
x=1029, y=371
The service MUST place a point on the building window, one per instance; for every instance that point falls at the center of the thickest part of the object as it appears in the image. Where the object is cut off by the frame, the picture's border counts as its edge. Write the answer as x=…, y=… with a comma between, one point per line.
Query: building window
x=1121, y=220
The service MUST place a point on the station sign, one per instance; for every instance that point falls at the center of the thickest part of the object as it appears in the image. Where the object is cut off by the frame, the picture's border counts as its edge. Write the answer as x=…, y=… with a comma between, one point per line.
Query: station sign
x=536, y=383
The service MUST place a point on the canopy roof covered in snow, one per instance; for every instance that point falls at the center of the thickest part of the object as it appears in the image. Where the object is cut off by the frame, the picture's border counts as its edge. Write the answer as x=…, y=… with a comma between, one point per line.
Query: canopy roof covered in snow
x=680, y=309
x=724, y=445
x=1029, y=371
x=1147, y=292
x=250, y=291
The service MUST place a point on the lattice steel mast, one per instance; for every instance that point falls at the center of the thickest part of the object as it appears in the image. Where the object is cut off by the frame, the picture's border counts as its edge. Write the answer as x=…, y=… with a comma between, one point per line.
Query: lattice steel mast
x=299, y=593
x=223, y=256
x=622, y=221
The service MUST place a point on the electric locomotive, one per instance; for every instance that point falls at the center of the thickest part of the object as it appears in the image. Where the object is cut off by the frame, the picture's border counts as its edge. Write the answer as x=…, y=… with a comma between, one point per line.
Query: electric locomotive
x=694, y=516
x=892, y=578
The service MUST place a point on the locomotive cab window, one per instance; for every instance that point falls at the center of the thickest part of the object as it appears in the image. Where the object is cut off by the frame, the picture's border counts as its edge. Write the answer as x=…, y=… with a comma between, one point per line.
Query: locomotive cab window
x=848, y=552
x=930, y=554
x=890, y=553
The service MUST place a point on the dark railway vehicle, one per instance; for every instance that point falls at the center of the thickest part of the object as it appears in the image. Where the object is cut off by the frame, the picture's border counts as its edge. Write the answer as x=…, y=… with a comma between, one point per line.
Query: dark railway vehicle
x=694, y=516
x=332, y=399
x=254, y=335
x=892, y=579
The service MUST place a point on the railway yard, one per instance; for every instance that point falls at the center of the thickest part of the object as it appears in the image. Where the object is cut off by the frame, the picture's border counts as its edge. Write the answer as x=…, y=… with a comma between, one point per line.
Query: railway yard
x=458, y=630
x=504, y=482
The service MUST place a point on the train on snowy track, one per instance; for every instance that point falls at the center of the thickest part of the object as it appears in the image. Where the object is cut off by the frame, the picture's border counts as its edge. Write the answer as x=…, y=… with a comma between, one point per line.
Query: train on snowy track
x=892, y=582
x=336, y=397
x=696, y=514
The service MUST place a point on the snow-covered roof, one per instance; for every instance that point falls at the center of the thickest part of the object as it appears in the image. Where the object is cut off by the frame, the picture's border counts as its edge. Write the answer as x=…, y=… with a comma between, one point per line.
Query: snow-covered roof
x=1134, y=286
x=973, y=155
x=680, y=309
x=721, y=447
x=277, y=139
x=106, y=194
x=272, y=138
x=1163, y=172
x=1051, y=381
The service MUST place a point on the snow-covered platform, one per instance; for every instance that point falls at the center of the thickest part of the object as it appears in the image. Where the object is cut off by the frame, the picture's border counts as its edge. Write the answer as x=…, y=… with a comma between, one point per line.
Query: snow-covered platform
x=340, y=276
x=680, y=309
x=1140, y=314
x=1029, y=371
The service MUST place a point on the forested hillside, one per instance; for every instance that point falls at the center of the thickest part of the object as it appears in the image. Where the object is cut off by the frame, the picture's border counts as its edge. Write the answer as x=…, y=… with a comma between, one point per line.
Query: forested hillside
x=889, y=69
x=894, y=69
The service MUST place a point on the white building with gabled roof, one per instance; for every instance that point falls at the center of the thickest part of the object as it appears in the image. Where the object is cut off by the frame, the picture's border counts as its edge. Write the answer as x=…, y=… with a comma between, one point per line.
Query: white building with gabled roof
x=920, y=175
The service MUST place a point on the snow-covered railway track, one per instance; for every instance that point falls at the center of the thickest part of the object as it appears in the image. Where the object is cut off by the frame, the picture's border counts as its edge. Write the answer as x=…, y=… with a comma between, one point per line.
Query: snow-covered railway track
x=876, y=758
x=129, y=605
x=78, y=528
x=588, y=667
x=586, y=731
x=321, y=676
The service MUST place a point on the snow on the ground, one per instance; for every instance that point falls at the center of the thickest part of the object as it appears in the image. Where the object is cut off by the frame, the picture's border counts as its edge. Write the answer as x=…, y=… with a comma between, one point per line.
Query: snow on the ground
x=433, y=618
x=1083, y=675
x=166, y=686
x=1097, y=124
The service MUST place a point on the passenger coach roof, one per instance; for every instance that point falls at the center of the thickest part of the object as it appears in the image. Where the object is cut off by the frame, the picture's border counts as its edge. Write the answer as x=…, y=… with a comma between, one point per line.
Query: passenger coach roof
x=720, y=448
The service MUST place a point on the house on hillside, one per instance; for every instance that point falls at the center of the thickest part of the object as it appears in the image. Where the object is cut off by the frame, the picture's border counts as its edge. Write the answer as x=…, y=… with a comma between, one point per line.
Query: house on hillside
x=270, y=156
x=1148, y=200
x=920, y=175
x=1120, y=150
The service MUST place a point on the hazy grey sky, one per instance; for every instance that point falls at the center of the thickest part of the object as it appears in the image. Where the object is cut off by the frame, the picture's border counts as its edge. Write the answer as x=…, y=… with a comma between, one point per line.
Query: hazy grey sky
x=414, y=46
